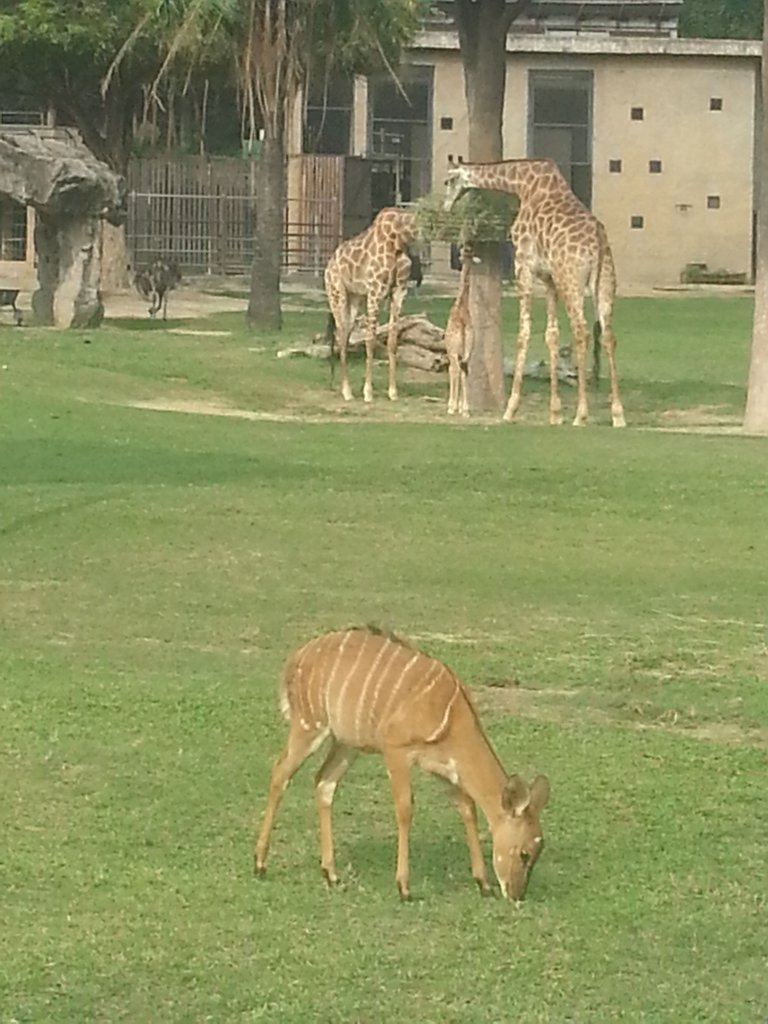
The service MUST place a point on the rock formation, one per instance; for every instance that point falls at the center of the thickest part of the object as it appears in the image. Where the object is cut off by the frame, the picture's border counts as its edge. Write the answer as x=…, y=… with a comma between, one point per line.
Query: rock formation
x=53, y=171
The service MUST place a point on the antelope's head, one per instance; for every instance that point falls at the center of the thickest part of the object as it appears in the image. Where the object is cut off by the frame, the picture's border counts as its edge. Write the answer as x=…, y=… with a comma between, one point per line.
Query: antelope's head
x=457, y=182
x=517, y=839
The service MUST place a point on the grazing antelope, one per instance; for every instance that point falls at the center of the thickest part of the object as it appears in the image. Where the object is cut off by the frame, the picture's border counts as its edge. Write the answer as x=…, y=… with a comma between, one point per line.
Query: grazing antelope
x=373, y=692
x=459, y=338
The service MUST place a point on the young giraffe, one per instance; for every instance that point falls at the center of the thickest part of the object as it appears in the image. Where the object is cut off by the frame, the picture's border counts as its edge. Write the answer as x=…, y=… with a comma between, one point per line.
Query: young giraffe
x=371, y=267
x=558, y=241
x=459, y=338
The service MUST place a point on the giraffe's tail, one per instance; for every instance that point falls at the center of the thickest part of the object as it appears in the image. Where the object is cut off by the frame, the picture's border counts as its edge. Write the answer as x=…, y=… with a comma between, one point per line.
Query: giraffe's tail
x=330, y=337
x=603, y=287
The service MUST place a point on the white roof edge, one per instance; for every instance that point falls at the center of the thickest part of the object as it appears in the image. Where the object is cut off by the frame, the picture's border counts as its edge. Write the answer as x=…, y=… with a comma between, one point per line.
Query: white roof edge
x=594, y=43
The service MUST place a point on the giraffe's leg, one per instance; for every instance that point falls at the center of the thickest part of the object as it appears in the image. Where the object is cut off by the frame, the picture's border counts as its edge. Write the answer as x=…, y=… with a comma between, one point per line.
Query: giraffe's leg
x=396, y=305
x=371, y=322
x=468, y=340
x=453, y=383
x=302, y=740
x=525, y=299
x=608, y=339
x=463, y=399
x=343, y=310
x=552, y=338
x=337, y=762
x=574, y=304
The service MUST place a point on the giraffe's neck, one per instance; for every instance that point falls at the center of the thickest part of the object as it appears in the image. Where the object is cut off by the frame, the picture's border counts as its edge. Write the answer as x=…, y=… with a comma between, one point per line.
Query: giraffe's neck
x=527, y=179
x=463, y=290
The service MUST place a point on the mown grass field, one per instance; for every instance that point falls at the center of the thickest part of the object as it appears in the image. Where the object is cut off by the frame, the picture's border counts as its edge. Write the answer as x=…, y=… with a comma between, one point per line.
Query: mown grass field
x=603, y=592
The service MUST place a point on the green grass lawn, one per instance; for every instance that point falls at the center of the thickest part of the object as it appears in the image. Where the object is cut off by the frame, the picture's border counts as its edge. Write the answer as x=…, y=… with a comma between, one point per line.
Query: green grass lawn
x=603, y=592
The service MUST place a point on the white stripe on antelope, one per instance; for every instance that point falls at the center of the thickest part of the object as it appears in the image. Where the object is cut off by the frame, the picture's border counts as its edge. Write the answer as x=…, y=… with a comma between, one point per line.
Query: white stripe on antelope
x=375, y=693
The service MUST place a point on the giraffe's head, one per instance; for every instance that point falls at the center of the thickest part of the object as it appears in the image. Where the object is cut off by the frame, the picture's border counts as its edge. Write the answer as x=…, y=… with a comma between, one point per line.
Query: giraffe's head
x=456, y=184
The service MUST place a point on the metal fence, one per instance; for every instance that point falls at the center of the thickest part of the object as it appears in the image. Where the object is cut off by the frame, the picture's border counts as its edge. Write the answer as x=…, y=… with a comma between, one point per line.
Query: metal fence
x=202, y=211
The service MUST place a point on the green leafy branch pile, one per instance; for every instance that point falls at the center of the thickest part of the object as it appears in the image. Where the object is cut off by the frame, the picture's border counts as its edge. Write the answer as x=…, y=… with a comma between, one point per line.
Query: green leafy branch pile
x=479, y=216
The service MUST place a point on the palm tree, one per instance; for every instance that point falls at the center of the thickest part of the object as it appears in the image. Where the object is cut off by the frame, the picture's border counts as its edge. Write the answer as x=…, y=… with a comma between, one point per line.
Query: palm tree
x=273, y=46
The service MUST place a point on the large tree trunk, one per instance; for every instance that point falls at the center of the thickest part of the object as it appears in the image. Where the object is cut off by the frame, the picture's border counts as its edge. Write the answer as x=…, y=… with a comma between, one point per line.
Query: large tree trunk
x=756, y=414
x=483, y=26
x=264, y=305
x=116, y=264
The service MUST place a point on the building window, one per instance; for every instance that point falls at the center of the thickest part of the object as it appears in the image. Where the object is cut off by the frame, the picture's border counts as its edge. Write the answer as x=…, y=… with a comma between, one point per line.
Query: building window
x=654, y=166
x=715, y=103
x=636, y=221
x=400, y=140
x=713, y=202
x=560, y=125
x=637, y=113
x=328, y=122
x=446, y=124
x=13, y=230
x=614, y=166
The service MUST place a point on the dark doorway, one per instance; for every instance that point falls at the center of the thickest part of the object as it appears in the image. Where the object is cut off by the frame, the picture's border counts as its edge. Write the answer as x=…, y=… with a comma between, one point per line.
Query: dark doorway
x=400, y=143
x=560, y=125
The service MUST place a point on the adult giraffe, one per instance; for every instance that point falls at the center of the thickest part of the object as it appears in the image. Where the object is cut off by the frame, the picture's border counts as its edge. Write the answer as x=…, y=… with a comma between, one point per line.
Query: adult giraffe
x=371, y=267
x=559, y=242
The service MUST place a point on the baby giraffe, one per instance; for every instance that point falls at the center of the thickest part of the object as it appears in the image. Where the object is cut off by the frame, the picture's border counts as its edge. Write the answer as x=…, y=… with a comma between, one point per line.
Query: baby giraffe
x=459, y=338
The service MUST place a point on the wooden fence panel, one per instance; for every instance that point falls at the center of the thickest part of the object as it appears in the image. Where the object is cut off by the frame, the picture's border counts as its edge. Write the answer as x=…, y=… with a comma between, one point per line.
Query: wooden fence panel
x=202, y=211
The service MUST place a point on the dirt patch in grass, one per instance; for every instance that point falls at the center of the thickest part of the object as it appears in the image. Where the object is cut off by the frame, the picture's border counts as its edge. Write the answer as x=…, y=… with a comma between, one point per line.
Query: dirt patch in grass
x=562, y=706
x=209, y=407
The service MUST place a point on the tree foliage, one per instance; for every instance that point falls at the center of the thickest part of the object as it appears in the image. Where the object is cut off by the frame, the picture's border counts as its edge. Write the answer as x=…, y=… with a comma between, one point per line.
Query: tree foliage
x=57, y=55
x=722, y=19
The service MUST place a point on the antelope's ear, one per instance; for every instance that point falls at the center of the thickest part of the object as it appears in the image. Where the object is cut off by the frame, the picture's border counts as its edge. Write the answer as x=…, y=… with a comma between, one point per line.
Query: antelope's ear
x=516, y=795
x=539, y=793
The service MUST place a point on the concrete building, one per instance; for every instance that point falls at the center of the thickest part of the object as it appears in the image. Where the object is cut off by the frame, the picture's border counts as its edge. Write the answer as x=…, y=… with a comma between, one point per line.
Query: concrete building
x=656, y=134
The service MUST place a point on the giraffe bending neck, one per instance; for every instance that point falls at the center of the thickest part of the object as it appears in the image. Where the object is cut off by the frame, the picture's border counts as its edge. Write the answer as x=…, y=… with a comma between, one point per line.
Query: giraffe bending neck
x=369, y=269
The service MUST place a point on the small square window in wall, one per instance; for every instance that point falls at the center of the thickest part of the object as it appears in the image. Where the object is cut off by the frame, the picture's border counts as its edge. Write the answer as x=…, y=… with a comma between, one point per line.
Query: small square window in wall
x=636, y=221
x=446, y=123
x=713, y=202
x=614, y=166
x=637, y=113
x=715, y=103
x=654, y=166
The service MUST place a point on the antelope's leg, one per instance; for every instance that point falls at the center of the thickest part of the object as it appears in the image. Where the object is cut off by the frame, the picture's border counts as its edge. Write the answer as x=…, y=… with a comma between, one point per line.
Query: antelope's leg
x=301, y=742
x=552, y=338
x=400, y=778
x=525, y=299
x=468, y=812
x=339, y=758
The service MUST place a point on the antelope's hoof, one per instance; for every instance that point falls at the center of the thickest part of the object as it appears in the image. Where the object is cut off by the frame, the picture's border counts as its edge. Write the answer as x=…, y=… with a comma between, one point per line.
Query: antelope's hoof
x=331, y=878
x=508, y=417
x=405, y=893
x=485, y=889
x=259, y=870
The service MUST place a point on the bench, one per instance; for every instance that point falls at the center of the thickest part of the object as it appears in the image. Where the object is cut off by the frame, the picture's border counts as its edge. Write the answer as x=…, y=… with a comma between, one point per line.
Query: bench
x=8, y=297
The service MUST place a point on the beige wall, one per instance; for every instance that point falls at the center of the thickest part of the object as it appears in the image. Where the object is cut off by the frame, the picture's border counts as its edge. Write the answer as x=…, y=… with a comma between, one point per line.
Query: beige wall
x=703, y=152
